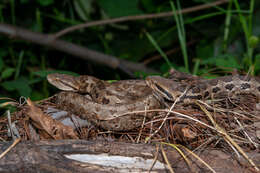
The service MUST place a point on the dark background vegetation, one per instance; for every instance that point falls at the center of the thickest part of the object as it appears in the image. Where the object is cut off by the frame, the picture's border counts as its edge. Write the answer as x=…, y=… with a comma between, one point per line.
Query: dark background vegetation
x=218, y=40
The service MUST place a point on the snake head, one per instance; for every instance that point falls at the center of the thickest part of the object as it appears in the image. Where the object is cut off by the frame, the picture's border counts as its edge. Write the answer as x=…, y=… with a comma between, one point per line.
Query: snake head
x=163, y=87
x=63, y=82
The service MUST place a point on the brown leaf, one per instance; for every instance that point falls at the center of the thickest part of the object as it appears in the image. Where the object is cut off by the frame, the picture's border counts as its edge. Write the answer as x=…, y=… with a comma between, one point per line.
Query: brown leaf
x=48, y=125
x=188, y=133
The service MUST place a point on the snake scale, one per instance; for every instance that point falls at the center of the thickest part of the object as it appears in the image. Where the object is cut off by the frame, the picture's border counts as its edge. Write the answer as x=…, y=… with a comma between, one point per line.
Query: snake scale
x=109, y=105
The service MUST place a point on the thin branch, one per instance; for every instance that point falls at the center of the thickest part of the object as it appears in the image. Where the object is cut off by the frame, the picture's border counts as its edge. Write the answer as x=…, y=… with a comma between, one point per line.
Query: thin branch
x=138, y=17
x=75, y=50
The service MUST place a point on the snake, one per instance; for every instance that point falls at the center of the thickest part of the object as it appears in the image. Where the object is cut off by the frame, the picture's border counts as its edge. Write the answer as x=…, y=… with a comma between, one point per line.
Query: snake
x=107, y=105
x=203, y=89
x=111, y=105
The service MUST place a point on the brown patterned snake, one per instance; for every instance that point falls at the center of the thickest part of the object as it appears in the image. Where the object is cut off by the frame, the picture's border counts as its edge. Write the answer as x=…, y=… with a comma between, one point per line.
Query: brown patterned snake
x=104, y=104
x=202, y=89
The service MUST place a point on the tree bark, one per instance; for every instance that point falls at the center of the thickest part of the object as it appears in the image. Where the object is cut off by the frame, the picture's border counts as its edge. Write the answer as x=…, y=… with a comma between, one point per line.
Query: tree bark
x=53, y=156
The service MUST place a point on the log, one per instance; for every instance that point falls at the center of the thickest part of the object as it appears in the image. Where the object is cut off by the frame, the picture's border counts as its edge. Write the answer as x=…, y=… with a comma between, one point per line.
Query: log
x=107, y=156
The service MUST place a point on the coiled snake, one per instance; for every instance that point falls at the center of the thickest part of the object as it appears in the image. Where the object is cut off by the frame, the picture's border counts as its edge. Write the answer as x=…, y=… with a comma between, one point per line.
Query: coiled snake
x=109, y=105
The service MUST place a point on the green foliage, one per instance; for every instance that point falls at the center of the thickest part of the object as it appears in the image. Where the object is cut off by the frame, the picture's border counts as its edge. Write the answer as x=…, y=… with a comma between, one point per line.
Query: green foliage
x=206, y=42
x=7, y=72
x=118, y=8
x=181, y=33
x=21, y=85
x=83, y=8
x=224, y=61
x=45, y=3
x=155, y=44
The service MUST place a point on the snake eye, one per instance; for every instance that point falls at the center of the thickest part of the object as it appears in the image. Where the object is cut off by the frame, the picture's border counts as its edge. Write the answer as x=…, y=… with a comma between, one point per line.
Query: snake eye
x=164, y=92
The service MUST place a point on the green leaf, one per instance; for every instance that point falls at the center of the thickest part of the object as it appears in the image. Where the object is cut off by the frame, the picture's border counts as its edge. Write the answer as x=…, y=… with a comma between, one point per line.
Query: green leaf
x=83, y=8
x=45, y=2
x=227, y=61
x=7, y=73
x=21, y=85
x=222, y=61
x=118, y=8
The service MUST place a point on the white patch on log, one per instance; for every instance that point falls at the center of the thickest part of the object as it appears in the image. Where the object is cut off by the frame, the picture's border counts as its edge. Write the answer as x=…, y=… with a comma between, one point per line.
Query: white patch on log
x=121, y=162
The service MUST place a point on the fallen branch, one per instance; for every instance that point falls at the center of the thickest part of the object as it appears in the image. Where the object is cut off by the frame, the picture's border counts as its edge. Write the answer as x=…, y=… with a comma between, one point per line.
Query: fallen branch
x=75, y=50
x=59, y=156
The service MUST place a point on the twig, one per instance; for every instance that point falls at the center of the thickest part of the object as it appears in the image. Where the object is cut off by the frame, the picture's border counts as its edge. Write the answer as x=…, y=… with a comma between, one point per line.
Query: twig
x=227, y=137
x=176, y=147
x=166, y=110
x=168, y=113
x=241, y=114
x=75, y=50
x=243, y=129
x=155, y=159
x=141, y=129
x=166, y=160
x=9, y=148
x=197, y=157
x=139, y=17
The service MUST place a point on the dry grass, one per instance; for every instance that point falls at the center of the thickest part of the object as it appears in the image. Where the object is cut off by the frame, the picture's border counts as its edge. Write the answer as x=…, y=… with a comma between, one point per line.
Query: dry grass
x=227, y=124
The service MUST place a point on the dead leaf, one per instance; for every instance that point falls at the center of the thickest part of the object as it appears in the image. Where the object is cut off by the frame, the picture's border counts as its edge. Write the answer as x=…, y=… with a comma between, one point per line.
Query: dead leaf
x=49, y=126
x=188, y=133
